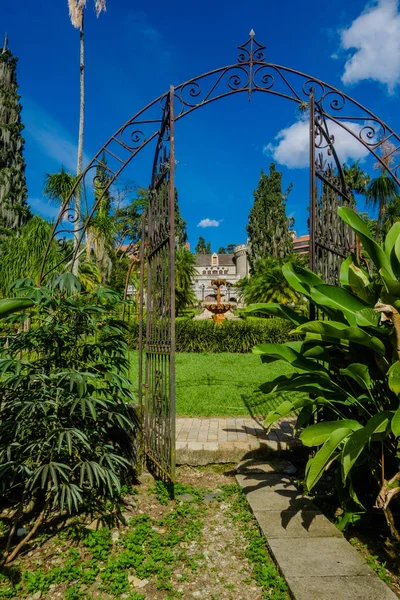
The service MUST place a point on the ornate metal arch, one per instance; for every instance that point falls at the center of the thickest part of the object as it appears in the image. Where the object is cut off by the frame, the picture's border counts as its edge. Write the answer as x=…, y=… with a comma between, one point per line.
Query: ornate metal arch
x=251, y=73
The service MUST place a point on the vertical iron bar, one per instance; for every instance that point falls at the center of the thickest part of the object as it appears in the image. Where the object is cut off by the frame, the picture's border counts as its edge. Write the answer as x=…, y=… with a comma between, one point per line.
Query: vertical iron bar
x=312, y=184
x=171, y=200
x=312, y=247
x=141, y=301
x=149, y=310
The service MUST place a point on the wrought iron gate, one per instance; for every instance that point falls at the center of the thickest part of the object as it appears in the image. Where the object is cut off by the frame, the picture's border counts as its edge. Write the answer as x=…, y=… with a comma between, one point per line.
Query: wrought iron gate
x=331, y=240
x=158, y=260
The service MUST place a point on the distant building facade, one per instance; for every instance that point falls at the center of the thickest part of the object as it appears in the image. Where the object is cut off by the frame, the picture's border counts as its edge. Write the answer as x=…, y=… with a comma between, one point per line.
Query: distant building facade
x=301, y=244
x=230, y=267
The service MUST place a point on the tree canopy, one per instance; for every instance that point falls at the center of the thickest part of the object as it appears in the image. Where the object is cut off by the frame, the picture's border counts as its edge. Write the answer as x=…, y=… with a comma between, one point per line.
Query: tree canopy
x=202, y=247
x=268, y=226
x=14, y=210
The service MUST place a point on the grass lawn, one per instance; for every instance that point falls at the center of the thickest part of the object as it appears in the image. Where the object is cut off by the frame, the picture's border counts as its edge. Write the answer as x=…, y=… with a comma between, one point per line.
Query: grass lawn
x=222, y=384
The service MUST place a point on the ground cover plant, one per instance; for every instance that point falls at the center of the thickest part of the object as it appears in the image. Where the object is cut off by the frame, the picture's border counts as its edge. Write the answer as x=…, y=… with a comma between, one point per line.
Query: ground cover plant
x=204, y=543
x=223, y=384
x=67, y=426
x=350, y=366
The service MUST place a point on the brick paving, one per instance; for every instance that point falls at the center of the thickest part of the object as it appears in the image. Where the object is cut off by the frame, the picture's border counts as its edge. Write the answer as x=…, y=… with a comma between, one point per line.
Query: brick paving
x=226, y=437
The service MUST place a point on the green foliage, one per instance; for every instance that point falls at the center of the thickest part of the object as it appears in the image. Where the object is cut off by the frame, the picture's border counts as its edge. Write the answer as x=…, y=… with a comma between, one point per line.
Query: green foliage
x=184, y=274
x=268, y=226
x=230, y=336
x=268, y=284
x=202, y=247
x=14, y=210
x=350, y=367
x=265, y=573
x=58, y=186
x=21, y=255
x=67, y=429
x=222, y=250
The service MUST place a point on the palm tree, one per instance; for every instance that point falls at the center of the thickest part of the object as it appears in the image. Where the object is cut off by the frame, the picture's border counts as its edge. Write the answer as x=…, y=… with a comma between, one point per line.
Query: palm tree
x=382, y=190
x=76, y=14
x=184, y=275
x=58, y=186
x=356, y=179
x=268, y=284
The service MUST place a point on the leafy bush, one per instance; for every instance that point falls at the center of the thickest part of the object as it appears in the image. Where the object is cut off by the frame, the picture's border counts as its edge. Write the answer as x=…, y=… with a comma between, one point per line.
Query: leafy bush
x=67, y=422
x=230, y=336
x=350, y=366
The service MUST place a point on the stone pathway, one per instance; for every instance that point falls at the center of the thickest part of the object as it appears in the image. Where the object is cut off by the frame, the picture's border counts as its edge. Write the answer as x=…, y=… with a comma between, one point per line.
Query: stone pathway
x=316, y=560
x=201, y=441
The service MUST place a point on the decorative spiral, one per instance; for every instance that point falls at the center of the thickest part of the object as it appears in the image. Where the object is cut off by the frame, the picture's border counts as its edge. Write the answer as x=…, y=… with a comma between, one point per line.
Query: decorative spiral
x=313, y=86
x=337, y=102
x=243, y=56
x=259, y=56
x=263, y=80
x=235, y=81
x=193, y=89
x=137, y=138
x=367, y=133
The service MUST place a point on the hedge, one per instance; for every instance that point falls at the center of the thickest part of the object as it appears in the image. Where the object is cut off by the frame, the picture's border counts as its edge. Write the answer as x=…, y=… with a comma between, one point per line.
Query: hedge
x=231, y=336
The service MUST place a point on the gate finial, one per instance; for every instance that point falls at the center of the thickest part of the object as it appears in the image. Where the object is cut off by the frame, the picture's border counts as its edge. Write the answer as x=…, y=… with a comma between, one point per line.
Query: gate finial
x=251, y=51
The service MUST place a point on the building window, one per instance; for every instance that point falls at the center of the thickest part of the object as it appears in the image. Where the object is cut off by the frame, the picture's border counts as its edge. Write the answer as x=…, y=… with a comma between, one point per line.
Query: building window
x=214, y=260
x=204, y=272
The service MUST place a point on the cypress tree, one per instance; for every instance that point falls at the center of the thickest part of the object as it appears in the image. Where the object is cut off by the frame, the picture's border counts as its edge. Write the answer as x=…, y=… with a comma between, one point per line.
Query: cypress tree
x=202, y=247
x=268, y=226
x=14, y=210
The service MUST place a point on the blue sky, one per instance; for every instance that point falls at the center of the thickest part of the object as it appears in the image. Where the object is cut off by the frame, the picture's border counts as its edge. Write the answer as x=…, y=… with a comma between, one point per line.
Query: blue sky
x=136, y=49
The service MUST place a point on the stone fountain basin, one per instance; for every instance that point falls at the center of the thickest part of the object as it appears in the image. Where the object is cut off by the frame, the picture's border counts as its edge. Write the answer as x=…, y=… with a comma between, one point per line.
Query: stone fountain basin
x=218, y=309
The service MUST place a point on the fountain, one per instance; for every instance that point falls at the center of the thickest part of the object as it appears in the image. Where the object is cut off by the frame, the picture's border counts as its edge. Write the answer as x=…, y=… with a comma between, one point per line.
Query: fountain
x=218, y=310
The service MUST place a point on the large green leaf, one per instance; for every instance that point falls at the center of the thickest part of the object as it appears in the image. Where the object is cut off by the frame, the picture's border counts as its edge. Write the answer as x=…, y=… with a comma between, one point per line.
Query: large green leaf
x=359, y=372
x=311, y=383
x=378, y=424
x=317, y=465
x=334, y=330
x=290, y=353
x=344, y=271
x=396, y=423
x=317, y=434
x=287, y=408
x=12, y=305
x=367, y=317
x=390, y=242
x=392, y=286
x=359, y=282
x=300, y=278
x=278, y=310
x=374, y=250
x=394, y=377
x=339, y=299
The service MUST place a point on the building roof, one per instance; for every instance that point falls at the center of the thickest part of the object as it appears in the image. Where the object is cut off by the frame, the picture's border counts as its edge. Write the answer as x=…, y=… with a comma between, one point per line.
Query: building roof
x=224, y=260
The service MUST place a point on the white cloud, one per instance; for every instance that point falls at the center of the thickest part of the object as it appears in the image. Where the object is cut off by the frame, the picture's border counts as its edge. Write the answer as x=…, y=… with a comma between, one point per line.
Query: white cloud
x=292, y=147
x=52, y=137
x=375, y=36
x=209, y=223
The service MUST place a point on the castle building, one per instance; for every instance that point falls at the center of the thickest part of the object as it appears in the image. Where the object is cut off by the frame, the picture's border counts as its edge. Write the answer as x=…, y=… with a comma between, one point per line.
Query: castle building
x=230, y=267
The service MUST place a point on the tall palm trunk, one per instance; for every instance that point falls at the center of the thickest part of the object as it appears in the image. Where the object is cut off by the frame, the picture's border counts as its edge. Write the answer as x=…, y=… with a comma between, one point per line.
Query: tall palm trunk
x=75, y=266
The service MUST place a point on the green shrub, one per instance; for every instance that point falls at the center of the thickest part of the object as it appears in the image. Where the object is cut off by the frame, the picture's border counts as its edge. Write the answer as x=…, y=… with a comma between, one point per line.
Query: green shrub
x=350, y=367
x=230, y=336
x=67, y=420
